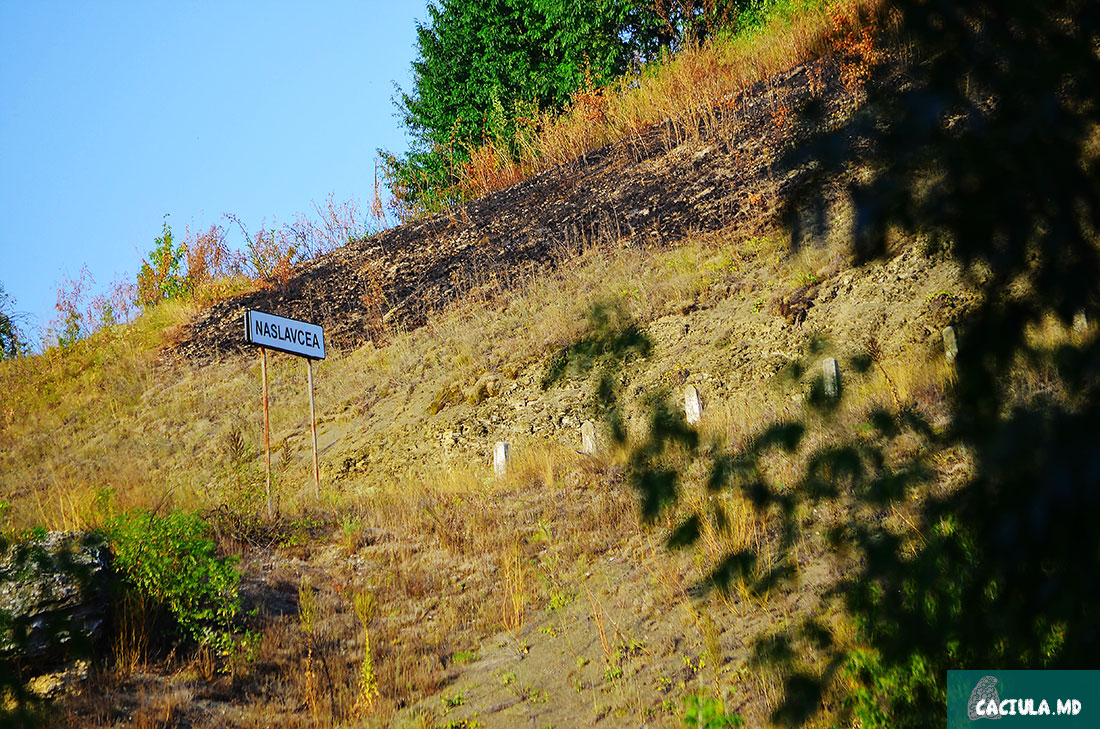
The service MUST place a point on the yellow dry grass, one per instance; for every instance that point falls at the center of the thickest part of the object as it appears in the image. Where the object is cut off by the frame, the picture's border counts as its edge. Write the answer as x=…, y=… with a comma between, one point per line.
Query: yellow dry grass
x=685, y=91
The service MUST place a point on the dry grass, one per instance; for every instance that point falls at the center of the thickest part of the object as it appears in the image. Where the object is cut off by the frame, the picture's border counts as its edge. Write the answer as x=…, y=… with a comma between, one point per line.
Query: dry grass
x=110, y=415
x=452, y=558
x=106, y=416
x=451, y=554
x=688, y=92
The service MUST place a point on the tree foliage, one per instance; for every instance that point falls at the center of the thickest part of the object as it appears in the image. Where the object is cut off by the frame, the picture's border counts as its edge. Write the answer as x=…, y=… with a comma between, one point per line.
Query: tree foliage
x=161, y=276
x=982, y=139
x=980, y=136
x=486, y=69
x=986, y=145
x=508, y=54
x=12, y=341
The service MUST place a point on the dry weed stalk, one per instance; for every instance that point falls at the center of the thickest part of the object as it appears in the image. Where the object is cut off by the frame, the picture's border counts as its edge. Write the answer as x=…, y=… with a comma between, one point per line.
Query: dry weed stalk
x=131, y=635
x=597, y=617
x=365, y=606
x=514, y=582
x=307, y=619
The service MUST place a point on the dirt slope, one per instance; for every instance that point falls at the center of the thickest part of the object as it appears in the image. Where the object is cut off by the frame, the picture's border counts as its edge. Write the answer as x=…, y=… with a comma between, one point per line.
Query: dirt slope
x=651, y=189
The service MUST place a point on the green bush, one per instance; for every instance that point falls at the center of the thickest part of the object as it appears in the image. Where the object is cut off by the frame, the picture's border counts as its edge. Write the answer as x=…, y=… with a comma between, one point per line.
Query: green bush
x=171, y=560
x=704, y=712
x=161, y=276
x=878, y=694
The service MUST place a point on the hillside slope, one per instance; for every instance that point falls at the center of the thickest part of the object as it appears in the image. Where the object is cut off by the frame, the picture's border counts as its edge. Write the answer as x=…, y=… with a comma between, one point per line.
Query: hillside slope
x=535, y=598
x=650, y=190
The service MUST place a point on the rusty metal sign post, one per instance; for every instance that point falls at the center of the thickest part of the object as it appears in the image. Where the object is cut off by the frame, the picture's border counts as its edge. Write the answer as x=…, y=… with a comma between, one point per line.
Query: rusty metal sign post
x=313, y=428
x=300, y=338
x=267, y=437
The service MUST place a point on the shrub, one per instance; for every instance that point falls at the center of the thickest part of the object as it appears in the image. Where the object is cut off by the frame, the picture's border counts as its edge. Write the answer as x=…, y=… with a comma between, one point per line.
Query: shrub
x=171, y=560
x=704, y=712
x=878, y=693
x=160, y=277
x=12, y=341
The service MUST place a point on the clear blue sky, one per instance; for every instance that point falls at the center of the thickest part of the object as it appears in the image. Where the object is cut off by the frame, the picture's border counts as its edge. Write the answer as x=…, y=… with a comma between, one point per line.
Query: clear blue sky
x=114, y=114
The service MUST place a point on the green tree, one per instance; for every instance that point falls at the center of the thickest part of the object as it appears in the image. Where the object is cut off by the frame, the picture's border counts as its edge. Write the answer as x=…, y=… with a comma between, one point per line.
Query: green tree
x=474, y=55
x=161, y=276
x=485, y=66
x=12, y=342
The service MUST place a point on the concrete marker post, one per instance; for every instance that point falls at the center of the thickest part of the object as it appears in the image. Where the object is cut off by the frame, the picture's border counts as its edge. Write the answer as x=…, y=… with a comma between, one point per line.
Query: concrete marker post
x=832, y=377
x=500, y=458
x=950, y=344
x=589, y=446
x=693, y=406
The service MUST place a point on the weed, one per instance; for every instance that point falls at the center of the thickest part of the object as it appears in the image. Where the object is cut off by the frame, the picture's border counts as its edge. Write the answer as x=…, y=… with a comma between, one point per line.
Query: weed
x=614, y=670
x=705, y=712
x=454, y=700
x=161, y=276
x=365, y=606
x=351, y=533
x=805, y=278
x=462, y=724
x=869, y=683
x=463, y=658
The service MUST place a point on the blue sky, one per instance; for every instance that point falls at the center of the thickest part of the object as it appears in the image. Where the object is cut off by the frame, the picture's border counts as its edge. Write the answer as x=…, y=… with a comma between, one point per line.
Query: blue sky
x=114, y=114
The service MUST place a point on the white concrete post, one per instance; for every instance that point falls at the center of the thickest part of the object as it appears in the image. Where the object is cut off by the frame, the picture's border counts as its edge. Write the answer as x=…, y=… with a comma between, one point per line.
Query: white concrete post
x=950, y=344
x=693, y=406
x=500, y=458
x=832, y=377
x=589, y=446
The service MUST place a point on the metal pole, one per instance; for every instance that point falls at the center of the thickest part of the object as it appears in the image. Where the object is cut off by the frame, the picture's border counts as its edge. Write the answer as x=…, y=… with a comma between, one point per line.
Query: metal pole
x=267, y=437
x=313, y=427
